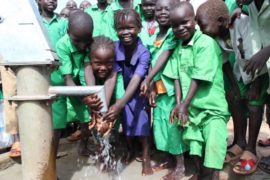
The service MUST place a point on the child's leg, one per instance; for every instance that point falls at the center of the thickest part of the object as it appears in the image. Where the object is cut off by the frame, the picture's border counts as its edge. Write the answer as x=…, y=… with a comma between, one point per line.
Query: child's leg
x=179, y=170
x=130, y=150
x=239, y=122
x=83, y=149
x=56, y=137
x=198, y=166
x=215, y=137
x=146, y=165
x=59, y=116
x=83, y=115
x=255, y=120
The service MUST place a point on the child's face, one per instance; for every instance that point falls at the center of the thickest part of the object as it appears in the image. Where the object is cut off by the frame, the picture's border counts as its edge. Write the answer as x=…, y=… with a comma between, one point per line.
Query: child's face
x=48, y=5
x=208, y=26
x=183, y=23
x=71, y=5
x=128, y=31
x=102, y=62
x=81, y=40
x=65, y=13
x=84, y=5
x=148, y=8
x=162, y=12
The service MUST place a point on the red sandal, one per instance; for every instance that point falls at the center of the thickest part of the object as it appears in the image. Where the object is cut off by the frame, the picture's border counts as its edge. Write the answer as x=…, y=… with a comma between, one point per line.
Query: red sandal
x=247, y=164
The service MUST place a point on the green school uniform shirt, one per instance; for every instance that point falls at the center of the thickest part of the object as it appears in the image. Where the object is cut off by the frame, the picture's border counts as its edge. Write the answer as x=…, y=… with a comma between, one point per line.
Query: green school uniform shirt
x=201, y=59
x=56, y=28
x=103, y=21
x=147, y=38
x=72, y=61
x=169, y=42
x=136, y=5
x=158, y=47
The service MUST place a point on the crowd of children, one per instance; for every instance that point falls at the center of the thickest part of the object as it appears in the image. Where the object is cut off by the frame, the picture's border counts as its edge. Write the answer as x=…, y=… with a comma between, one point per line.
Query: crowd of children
x=169, y=72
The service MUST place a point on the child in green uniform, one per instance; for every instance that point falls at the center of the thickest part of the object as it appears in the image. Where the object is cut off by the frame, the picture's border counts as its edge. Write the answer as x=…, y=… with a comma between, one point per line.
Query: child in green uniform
x=133, y=4
x=252, y=94
x=56, y=28
x=167, y=135
x=102, y=14
x=149, y=24
x=203, y=110
x=72, y=50
x=102, y=64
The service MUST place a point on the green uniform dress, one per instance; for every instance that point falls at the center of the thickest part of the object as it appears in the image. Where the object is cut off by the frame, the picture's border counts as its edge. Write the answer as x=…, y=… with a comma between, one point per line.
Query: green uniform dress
x=206, y=132
x=103, y=21
x=72, y=63
x=168, y=136
x=56, y=28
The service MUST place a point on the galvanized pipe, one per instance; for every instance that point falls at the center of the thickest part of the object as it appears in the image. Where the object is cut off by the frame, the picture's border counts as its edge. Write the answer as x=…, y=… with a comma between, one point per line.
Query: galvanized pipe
x=35, y=124
x=81, y=91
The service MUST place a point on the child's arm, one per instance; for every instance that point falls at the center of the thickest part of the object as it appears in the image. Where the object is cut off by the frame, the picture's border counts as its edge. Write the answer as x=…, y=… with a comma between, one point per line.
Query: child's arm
x=178, y=96
x=69, y=80
x=257, y=61
x=109, y=86
x=234, y=92
x=183, y=107
x=116, y=108
x=88, y=74
x=162, y=59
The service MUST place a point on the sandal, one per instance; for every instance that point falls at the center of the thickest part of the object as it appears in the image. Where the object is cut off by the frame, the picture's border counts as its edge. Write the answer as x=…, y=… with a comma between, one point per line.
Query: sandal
x=247, y=164
x=233, y=153
x=264, y=164
x=264, y=143
x=15, y=150
x=74, y=136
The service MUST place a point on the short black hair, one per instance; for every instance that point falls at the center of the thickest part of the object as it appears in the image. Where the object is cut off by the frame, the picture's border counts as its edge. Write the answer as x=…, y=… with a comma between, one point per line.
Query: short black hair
x=123, y=14
x=213, y=9
x=101, y=42
x=182, y=4
x=80, y=19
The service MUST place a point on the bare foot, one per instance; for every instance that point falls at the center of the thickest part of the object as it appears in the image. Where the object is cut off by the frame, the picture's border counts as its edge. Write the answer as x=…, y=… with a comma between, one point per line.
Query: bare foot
x=174, y=175
x=128, y=158
x=161, y=166
x=194, y=177
x=146, y=167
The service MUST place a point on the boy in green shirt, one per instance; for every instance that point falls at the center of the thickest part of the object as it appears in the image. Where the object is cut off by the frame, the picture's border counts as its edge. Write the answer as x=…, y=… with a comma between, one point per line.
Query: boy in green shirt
x=103, y=19
x=72, y=50
x=203, y=110
x=121, y=4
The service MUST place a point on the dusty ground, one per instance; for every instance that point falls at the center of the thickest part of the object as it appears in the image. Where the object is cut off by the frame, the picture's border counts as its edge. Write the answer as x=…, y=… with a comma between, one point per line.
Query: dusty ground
x=72, y=167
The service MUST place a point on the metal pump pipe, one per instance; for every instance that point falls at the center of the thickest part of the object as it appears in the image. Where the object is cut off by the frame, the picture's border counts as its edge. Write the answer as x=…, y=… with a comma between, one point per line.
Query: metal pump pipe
x=25, y=49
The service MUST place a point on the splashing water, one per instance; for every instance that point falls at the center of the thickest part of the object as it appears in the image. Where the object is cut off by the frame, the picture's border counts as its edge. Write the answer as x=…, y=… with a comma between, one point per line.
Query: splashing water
x=106, y=158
